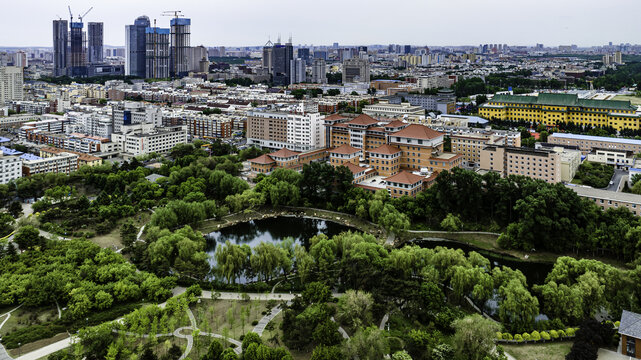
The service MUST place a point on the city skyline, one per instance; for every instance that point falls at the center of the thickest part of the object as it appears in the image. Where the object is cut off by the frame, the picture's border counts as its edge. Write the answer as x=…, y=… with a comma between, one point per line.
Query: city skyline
x=456, y=23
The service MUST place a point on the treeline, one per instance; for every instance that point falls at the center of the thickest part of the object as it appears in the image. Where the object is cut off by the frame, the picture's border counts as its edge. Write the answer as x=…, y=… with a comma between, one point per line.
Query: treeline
x=624, y=76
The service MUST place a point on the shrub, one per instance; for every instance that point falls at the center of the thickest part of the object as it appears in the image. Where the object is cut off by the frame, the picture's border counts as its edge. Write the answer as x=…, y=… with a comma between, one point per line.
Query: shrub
x=507, y=336
x=255, y=322
x=616, y=324
x=499, y=336
x=554, y=334
x=518, y=338
x=570, y=331
x=526, y=336
x=535, y=335
x=562, y=333
x=545, y=335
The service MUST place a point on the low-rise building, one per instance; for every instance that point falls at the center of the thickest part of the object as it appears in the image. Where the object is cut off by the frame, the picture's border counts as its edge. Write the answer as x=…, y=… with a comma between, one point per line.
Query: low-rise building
x=587, y=142
x=83, y=159
x=470, y=145
x=345, y=154
x=622, y=159
x=606, y=199
x=537, y=164
x=404, y=183
x=64, y=163
x=146, y=138
x=630, y=331
x=386, y=110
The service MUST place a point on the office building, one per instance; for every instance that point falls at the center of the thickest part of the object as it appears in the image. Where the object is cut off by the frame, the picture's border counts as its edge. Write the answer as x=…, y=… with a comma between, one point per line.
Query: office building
x=268, y=59
x=60, y=40
x=587, y=143
x=135, y=47
x=355, y=70
x=158, y=53
x=303, y=53
x=77, y=65
x=282, y=56
x=11, y=81
x=320, y=54
x=297, y=72
x=180, y=48
x=407, y=49
x=470, y=145
x=537, y=164
x=552, y=109
x=135, y=113
x=95, y=42
x=10, y=165
x=276, y=130
x=319, y=71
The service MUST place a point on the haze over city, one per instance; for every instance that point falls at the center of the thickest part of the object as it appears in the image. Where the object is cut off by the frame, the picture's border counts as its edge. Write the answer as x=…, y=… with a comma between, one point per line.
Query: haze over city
x=416, y=22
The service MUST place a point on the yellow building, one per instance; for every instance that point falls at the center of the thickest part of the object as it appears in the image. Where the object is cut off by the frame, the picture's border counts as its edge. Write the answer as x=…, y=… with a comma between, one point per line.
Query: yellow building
x=552, y=109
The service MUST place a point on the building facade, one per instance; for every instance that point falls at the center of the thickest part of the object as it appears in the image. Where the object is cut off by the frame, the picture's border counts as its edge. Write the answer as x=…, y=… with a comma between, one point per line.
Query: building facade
x=136, y=140
x=275, y=130
x=387, y=110
x=11, y=84
x=157, y=53
x=63, y=163
x=319, y=71
x=10, y=168
x=470, y=145
x=180, y=49
x=95, y=42
x=135, y=47
x=356, y=70
x=587, y=143
x=537, y=164
x=552, y=109
x=204, y=127
x=60, y=40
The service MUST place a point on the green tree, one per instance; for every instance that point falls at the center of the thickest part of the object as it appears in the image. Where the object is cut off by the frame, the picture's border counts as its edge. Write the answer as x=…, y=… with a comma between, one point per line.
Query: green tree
x=367, y=344
x=28, y=237
x=355, y=309
x=474, y=337
x=451, y=223
x=251, y=338
x=15, y=209
x=128, y=233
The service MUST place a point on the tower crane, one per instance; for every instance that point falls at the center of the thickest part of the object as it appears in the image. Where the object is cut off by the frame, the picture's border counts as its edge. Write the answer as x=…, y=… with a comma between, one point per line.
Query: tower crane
x=70, y=14
x=85, y=14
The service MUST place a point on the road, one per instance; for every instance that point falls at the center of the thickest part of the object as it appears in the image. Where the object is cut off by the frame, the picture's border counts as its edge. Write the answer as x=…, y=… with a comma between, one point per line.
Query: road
x=616, y=179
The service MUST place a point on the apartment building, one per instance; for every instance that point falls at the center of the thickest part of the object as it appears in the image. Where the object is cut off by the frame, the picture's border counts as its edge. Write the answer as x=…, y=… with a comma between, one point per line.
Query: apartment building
x=132, y=113
x=52, y=126
x=11, y=80
x=10, y=166
x=213, y=126
x=609, y=199
x=275, y=130
x=552, y=109
x=386, y=110
x=570, y=159
x=587, y=143
x=83, y=159
x=146, y=138
x=537, y=164
x=63, y=163
x=73, y=142
x=470, y=145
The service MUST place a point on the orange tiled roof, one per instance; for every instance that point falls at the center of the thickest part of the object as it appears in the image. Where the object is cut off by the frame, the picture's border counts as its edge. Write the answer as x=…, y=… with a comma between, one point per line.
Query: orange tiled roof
x=335, y=117
x=386, y=149
x=416, y=131
x=355, y=169
x=284, y=153
x=363, y=120
x=344, y=149
x=405, y=177
x=395, y=124
x=263, y=159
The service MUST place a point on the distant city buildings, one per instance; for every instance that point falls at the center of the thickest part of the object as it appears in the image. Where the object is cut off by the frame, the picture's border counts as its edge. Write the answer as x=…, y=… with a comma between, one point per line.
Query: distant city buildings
x=95, y=47
x=356, y=70
x=135, y=47
x=319, y=71
x=11, y=83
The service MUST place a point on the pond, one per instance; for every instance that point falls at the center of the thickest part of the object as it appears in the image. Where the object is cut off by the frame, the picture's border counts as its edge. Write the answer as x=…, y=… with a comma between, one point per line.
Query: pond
x=535, y=272
x=273, y=230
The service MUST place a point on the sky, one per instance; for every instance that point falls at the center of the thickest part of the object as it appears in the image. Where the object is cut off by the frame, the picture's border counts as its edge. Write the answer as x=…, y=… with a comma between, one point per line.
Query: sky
x=349, y=22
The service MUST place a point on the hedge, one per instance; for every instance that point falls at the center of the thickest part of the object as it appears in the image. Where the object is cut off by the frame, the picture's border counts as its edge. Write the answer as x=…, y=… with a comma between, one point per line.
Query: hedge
x=536, y=336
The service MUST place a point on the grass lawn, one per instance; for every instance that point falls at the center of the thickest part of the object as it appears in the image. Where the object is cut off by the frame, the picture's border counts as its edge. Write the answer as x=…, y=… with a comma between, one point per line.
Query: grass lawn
x=633, y=99
x=225, y=315
x=24, y=317
x=113, y=238
x=27, y=348
x=549, y=351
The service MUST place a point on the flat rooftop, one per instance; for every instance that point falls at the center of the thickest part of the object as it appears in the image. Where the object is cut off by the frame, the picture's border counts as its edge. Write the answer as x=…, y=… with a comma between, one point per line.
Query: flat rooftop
x=595, y=138
x=585, y=191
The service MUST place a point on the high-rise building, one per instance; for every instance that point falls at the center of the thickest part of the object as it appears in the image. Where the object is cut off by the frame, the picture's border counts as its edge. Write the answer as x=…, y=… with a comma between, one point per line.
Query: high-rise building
x=319, y=71
x=157, y=54
x=297, y=72
x=180, y=38
x=303, y=53
x=20, y=59
x=282, y=56
x=355, y=70
x=320, y=54
x=196, y=54
x=135, y=47
x=11, y=80
x=95, y=35
x=268, y=57
x=60, y=39
x=407, y=49
x=77, y=65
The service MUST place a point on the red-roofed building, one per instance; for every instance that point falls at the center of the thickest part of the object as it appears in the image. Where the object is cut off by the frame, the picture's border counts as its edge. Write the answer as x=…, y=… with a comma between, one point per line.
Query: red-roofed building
x=386, y=159
x=404, y=183
x=344, y=154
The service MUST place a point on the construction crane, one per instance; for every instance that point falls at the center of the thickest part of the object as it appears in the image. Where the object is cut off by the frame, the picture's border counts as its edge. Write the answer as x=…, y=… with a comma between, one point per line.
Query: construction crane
x=175, y=13
x=70, y=14
x=85, y=14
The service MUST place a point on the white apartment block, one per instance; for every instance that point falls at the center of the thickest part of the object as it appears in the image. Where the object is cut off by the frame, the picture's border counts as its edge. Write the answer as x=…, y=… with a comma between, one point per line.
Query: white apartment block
x=11, y=81
x=10, y=168
x=63, y=163
x=132, y=113
x=306, y=129
x=277, y=130
x=144, y=139
x=392, y=111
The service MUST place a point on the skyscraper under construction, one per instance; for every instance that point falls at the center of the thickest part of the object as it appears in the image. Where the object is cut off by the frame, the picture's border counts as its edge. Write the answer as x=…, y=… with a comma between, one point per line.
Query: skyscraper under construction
x=180, y=38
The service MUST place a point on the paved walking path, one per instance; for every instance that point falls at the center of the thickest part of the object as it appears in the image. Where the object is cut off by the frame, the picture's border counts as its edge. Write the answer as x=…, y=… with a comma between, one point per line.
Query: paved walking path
x=262, y=323
x=3, y=352
x=47, y=350
x=341, y=330
x=383, y=322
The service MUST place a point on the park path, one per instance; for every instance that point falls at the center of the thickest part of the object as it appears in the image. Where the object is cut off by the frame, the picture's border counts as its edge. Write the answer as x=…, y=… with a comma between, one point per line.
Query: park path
x=3, y=352
x=47, y=350
x=341, y=330
x=383, y=321
x=262, y=323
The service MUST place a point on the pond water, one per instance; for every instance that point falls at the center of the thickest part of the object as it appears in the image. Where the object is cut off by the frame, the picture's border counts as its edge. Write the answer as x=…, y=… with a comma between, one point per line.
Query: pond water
x=535, y=272
x=273, y=230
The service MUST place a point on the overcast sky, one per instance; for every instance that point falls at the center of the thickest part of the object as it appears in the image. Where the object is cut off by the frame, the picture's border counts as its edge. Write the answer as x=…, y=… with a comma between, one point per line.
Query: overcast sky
x=321, y=22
